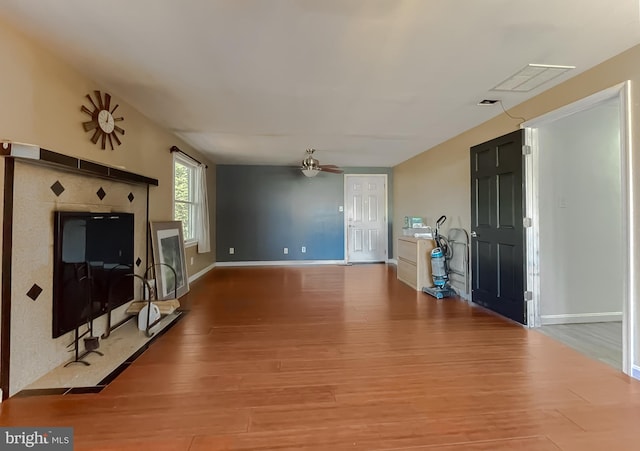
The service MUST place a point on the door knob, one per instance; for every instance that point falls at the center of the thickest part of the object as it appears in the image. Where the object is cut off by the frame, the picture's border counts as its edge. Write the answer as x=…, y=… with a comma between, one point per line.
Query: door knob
x=474, y=235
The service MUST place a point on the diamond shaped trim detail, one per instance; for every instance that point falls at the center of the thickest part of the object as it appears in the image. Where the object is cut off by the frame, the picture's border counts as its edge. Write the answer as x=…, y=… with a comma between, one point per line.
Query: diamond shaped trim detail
x=34, y=292
x=138, y=262
x=57, y=188
x=101, y=193
x=130, y=197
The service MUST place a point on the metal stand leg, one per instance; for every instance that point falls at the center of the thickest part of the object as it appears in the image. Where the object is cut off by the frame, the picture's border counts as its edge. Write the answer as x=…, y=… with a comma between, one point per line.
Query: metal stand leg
x=76, y=349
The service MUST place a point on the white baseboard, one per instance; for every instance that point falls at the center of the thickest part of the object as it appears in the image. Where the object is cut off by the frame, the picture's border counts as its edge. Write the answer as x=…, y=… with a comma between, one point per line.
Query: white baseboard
x=283, y=263
x=635, y=372
x=201, y=273
x=393, y=261
x=546, y=320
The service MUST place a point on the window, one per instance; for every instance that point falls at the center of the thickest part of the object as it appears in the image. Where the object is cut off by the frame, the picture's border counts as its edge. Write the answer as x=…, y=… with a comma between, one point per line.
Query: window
x=184, y=196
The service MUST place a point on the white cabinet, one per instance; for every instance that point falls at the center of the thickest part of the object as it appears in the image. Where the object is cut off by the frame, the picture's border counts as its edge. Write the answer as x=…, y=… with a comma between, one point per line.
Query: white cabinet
x=414, y=261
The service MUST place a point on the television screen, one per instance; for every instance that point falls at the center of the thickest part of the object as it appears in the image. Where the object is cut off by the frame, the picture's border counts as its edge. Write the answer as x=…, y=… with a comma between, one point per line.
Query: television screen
x=93, y=254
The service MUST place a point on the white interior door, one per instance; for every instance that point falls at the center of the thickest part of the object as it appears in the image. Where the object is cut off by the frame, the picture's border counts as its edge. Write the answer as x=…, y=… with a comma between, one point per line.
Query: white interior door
x=366, y=217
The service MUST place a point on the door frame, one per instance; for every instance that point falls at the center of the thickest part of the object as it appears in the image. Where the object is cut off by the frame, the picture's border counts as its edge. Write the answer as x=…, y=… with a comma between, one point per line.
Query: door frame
x=386, y=214
x=532, y=234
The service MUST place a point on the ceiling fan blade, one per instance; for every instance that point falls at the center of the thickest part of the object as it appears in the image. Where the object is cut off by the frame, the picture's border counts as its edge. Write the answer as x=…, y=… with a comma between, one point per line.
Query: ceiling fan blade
x=333, y=170
x=332, y=166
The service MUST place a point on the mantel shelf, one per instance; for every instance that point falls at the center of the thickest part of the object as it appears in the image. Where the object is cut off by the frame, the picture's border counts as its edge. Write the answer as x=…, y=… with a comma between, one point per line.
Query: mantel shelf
x=36, y=154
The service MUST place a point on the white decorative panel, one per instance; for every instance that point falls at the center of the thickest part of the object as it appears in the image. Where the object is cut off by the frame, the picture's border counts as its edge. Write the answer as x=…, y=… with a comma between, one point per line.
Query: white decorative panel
x=372, y=208
x=358, y=237
x=373, y=240
x=357, y=207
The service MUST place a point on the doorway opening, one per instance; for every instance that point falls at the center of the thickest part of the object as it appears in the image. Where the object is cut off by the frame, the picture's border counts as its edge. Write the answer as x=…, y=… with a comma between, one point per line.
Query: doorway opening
x=579, y=242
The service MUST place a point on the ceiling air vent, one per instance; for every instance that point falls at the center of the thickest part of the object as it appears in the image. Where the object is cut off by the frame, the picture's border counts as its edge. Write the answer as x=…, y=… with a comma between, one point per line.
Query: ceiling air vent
x=487, y=102
x=531, y=76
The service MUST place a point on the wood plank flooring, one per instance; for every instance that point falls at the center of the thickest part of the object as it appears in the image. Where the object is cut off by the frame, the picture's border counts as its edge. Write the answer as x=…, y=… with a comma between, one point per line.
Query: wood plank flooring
x=345, y=357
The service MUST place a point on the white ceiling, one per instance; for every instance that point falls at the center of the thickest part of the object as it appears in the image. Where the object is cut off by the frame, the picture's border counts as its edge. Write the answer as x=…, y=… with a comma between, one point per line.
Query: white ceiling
x=366, y=82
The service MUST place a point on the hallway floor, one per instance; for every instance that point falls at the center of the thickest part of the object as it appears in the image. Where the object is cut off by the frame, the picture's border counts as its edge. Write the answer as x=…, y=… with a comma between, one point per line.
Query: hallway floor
x=345, y=357
x=600, y=341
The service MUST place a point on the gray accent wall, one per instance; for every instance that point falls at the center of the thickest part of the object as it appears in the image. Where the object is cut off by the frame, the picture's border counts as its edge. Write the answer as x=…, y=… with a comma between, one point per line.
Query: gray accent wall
x=260, y=210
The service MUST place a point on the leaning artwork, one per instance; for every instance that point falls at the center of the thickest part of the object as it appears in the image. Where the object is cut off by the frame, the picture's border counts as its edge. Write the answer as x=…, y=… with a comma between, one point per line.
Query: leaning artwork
x=169, y=259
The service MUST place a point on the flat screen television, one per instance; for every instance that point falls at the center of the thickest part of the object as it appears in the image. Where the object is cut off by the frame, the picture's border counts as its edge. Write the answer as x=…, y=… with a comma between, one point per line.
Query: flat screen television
x=93, y=255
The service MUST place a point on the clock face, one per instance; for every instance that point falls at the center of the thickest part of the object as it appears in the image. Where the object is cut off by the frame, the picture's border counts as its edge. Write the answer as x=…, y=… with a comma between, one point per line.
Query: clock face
x=106, y=121
x=103, y=122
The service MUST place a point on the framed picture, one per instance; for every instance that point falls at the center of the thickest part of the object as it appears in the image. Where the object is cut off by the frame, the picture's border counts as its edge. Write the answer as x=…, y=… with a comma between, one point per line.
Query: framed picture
x=168, y=249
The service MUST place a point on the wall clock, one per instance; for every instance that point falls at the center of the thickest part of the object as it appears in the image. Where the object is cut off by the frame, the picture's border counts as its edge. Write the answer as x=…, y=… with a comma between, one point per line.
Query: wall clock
x=103, y=122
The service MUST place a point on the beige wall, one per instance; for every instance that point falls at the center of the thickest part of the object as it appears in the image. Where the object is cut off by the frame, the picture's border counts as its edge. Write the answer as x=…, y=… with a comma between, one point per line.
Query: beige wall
x=41, y=97
x=438, y=180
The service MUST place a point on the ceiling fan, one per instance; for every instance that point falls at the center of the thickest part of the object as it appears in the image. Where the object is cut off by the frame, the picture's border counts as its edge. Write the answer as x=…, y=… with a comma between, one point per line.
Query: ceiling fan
x=311, y=166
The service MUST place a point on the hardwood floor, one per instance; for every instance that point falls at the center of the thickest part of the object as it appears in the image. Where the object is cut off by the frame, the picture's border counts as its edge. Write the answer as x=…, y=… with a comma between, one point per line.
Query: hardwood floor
x=345, y=357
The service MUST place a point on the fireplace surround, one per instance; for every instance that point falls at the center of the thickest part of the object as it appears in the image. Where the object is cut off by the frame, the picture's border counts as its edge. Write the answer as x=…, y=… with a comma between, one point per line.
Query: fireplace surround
x=32, y=193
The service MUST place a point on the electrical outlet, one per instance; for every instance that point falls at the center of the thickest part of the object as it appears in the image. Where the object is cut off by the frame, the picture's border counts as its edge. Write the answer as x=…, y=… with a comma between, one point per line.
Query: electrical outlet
x=232, y=251
x=340, y=208
x=304, y=249
x=286, y=250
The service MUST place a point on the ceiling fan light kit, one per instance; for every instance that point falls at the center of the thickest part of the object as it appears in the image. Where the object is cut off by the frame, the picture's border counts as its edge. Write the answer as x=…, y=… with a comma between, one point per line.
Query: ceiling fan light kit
x=311, y=167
